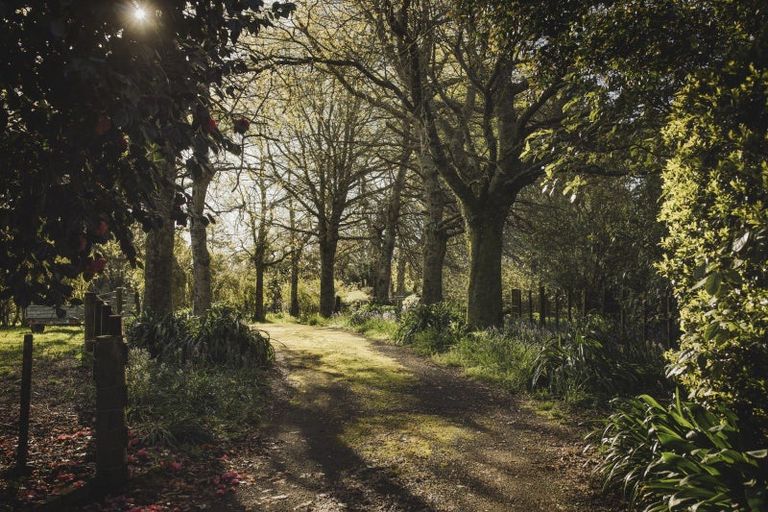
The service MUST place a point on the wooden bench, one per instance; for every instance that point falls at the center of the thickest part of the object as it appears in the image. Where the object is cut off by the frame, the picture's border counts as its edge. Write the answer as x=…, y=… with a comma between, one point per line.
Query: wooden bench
x=37, y=317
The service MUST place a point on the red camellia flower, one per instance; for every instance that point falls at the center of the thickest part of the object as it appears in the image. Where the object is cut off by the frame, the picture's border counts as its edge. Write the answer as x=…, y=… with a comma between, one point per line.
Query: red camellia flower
x=102, y=228
x=103, y=125
x=97, y=265
x=211, y=126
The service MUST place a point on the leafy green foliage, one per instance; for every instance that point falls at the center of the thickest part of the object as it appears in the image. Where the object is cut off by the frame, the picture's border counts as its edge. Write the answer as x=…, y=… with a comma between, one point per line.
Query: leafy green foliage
x=367, y=312
x=93, y=108
x=716, y=193
x=681, y=457
x=219, y=338
x=503, y=357
x=171, y=404
x=432, y=327
x=588, y=362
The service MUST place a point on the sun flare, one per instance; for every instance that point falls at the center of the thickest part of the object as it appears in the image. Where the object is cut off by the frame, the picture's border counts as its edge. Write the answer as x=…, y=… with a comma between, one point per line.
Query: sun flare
x=139, y=13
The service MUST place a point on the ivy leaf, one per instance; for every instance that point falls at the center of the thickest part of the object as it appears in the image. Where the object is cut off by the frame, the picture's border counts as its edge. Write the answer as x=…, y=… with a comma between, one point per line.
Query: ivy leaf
x=712, y=283
x=741, y=242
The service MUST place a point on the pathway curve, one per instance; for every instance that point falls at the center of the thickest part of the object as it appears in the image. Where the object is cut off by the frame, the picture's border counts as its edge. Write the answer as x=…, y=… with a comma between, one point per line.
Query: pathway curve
x=365, y=426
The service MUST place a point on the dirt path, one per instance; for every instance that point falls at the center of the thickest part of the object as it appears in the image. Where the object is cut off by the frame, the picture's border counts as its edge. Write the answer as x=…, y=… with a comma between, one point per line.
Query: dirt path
x=369, y=427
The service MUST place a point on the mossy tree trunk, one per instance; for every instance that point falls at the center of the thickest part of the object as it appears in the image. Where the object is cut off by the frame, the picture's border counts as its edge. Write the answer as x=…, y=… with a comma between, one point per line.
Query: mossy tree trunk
x=158, y=262
x=485, y=238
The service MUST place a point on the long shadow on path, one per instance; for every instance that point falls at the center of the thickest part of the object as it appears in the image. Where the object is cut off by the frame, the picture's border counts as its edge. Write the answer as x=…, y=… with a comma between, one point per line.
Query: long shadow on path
x=372, y=427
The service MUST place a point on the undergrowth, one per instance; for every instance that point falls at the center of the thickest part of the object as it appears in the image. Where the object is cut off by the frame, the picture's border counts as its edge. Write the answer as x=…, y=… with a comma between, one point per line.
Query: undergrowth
x=194, y=380
x=681, y=457
x=171, y=404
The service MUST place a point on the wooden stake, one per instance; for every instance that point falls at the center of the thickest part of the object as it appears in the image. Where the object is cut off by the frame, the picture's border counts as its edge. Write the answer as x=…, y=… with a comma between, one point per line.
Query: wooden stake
x=110, y=357
x=26, y=398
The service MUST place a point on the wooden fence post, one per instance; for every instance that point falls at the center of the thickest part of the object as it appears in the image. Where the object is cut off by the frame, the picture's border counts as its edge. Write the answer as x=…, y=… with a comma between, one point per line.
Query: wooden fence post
x=26, y=396
x=517, y=302
x=119, y=300
x=111, y=432
x=542, y=306
x=557, y=308
x=89, y=319
x=530, y=306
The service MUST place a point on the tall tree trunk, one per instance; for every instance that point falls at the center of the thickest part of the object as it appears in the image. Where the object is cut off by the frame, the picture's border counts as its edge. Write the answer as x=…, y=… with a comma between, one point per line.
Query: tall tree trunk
x=484, y=232
x=434, y=238
x=383, y=272
x=201, y=259
x=158, y=263
x=327, y=285
x=296, y=249
x=400, y=287
x=260, y=313
x=293, y=310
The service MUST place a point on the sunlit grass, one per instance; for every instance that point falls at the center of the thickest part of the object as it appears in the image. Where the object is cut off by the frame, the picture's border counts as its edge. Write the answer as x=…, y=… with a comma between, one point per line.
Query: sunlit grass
x=54, y=343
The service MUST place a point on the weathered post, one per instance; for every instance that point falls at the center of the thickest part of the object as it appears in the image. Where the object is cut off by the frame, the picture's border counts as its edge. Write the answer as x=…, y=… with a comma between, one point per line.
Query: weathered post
x=89, y=321
x=111, y=432
x=103, y=312
x=26, y=396
x=570, y=304
x=645, y=319
x=517, y=302
x=557, y=309
x=542, y=306
x=119, y=300
x=530, y=306
x=668, y=307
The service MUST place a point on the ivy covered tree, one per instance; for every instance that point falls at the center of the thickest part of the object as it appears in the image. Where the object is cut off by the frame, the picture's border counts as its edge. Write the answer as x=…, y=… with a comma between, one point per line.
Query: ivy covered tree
x=97, y=100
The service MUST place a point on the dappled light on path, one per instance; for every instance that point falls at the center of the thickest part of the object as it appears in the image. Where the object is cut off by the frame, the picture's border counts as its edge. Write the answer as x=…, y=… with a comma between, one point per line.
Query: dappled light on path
x=366, y=426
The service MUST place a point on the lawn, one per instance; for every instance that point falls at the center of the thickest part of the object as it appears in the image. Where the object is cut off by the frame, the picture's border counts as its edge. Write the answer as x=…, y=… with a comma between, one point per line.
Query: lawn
x=56, y=342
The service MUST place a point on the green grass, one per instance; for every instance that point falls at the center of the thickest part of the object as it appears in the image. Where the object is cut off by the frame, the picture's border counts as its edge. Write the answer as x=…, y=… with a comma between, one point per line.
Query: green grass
x=506, y=361
x=56, y=342
x=376, y=327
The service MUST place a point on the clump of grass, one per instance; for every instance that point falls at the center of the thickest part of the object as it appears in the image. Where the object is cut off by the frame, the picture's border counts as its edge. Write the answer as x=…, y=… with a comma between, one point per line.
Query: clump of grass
x=55, y=343
x=220, y=337
x=171, y=404
x=495, y=356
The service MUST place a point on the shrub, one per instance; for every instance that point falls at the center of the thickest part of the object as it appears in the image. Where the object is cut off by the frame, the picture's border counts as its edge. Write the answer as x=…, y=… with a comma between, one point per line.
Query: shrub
x=588, y=362
x=220, y=337
x=505, y=358
x=681, y=457
x=441, y=326
x=367, y=312
x=715, y=196
x=224, y=338
x=171, y=404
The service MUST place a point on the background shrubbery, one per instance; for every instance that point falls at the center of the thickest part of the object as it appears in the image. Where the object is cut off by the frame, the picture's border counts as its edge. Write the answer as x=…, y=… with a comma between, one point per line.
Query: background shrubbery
x=219, y=337
x=195, y=379
x=681, y=457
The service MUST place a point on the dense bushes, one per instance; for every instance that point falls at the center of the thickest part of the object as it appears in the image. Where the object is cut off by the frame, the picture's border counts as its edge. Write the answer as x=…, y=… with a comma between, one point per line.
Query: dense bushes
x=195, y=379
x=717, y=247
x=171, y=404
x=430, y=328
x=505, y=358
x=220, y=337
x=587, y=361
x=682, y=457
